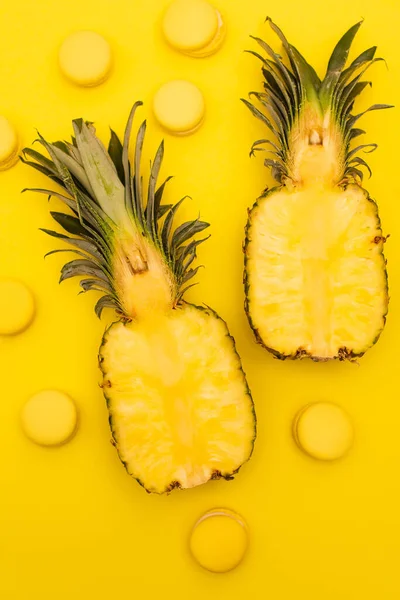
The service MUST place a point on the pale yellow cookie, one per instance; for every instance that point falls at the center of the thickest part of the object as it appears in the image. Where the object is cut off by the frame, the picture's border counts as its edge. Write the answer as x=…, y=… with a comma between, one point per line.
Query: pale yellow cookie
x=323, y=430
x=193, y=27
x=8, y=144
x=219, y=540
x=17, y=307
x=85, y=58
x=179, y=107
x=49, y=418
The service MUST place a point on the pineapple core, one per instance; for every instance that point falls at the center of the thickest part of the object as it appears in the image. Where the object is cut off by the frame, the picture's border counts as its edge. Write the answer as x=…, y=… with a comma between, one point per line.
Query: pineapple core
x=143, y=281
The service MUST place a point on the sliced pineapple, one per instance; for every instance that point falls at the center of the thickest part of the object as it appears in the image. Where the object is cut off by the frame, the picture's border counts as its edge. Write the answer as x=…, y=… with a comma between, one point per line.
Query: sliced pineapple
x=180, y=408
x=318, y=283
x=315, y=274
x=179, y=412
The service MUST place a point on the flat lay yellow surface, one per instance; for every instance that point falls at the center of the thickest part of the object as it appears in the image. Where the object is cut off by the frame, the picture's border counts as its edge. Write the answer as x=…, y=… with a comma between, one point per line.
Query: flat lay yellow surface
x=73, y=523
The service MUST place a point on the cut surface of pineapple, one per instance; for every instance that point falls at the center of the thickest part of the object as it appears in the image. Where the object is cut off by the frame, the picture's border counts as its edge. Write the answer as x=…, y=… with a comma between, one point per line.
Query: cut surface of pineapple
x=316, y=272
x=180, y=409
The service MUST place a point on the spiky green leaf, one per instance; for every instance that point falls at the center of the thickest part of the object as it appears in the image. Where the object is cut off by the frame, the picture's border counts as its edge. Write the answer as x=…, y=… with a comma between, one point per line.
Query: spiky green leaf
x=115, y=152
x=107, y=301
x=107, y=188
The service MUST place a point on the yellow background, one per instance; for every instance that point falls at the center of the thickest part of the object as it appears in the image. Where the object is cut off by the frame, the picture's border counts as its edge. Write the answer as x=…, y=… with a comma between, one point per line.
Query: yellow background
x=72, y=523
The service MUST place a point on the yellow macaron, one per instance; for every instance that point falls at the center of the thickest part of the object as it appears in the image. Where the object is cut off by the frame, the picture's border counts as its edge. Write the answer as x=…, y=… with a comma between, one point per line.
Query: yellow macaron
x=323, y=430
x=179, y=107
x=85, y=58
x=17, y=307
x=8, y=144
x=49, y=418
x=219, y=540
x=193, y=27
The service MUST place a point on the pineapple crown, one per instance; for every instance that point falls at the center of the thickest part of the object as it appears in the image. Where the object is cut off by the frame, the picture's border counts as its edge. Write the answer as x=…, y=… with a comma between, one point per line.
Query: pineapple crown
x=300, y=104
x=105, y=194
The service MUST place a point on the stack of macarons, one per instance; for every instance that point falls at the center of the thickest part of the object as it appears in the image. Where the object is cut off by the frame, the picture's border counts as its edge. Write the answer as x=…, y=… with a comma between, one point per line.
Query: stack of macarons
x=193, y=27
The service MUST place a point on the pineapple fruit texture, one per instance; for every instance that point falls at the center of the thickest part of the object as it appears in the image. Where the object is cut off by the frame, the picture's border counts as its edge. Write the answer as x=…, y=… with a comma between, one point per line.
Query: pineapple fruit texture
x=317, y=530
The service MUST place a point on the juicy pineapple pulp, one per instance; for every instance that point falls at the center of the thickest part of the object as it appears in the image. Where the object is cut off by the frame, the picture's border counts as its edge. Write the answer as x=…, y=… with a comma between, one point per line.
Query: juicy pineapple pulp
x=180, y=410
x=315, y=272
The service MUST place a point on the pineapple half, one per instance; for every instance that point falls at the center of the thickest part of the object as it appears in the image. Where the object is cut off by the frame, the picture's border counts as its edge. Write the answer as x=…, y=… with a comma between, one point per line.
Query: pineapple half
x=315, y=273
x=180, y=409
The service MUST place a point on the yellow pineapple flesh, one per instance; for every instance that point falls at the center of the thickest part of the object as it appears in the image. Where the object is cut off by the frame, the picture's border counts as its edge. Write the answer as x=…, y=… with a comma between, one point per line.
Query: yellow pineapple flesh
x=315, y=273
x=178, y=412
x=180, y=409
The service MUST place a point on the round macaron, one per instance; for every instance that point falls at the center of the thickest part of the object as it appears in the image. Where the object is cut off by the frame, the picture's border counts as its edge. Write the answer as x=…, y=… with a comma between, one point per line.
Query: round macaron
x=323, y=430
x=17, y=307
x=8, y=144
x=193, y=27
x=179, y=107
x=49, y=418
x=85, y=58
x=219, y=540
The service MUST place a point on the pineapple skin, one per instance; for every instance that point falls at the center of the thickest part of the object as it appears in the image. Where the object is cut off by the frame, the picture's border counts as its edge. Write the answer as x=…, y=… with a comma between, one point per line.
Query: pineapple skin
x=343, y=354
x=115, y=427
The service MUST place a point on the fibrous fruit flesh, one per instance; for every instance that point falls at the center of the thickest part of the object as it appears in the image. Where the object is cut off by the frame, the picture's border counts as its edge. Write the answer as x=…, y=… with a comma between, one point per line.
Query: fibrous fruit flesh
x=315, y=273
x=180, y=409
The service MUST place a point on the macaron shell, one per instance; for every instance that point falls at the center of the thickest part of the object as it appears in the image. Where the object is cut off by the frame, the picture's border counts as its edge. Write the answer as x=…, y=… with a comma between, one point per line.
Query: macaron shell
x=17, y=307
x=179, y=107
x=219, y=540
x=190, y=24
x=8, y=144
x=85, y=58
x=49, y=418
x=324, y=431
x=215, y=43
